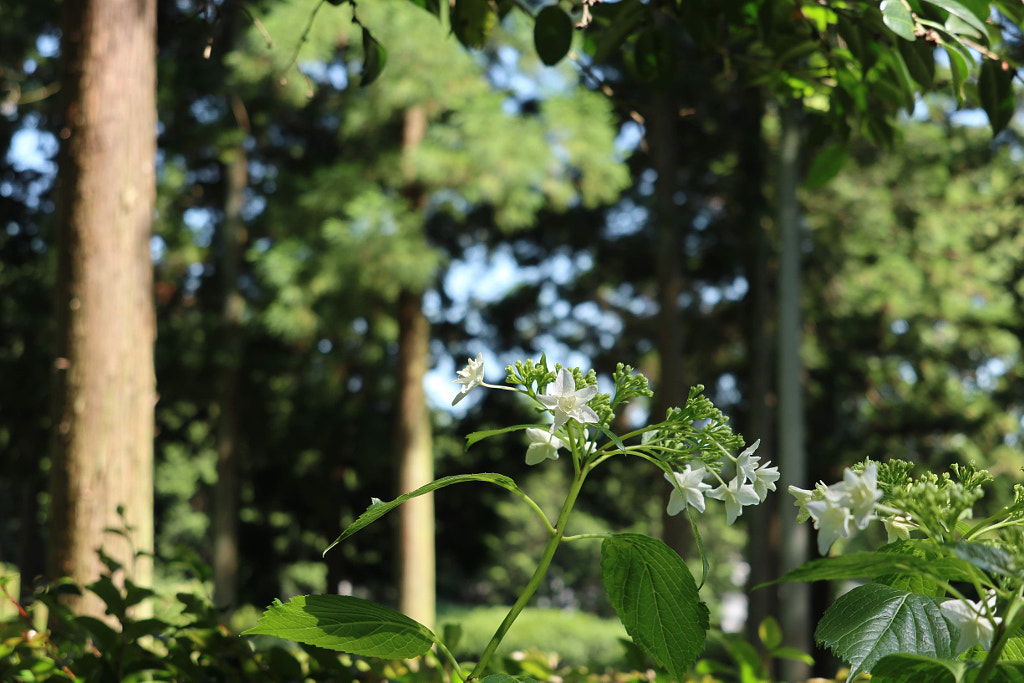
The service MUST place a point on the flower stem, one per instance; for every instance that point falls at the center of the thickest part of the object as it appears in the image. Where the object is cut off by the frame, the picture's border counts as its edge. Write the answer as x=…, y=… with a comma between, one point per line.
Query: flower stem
x=538, y=575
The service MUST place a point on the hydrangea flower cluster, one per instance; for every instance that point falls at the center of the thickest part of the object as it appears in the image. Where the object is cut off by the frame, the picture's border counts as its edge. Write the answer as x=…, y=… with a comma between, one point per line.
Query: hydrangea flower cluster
x=841, y=508
x=580, y=414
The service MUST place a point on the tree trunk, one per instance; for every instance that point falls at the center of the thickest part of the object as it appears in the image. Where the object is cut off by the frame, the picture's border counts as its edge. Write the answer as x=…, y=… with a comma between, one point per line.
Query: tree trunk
x=416, y=583
x=415, y=464
x=105, y=386
x=795, y=597
x=226, y=501
x=672, y=389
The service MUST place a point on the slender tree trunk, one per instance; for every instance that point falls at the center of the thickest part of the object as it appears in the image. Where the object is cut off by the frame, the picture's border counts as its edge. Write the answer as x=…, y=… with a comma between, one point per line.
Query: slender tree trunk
x=415, y=464
x=417, y=585
x=105, y=386
x=795, y=597
x=226, y=497
x=672, y=387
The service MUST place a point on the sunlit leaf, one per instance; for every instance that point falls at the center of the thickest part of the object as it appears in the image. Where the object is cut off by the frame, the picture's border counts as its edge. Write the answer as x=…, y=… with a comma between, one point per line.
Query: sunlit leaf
x=346, y=624
x=656, y=599
x=897, y=17
x=379, y=508
x=873, y=621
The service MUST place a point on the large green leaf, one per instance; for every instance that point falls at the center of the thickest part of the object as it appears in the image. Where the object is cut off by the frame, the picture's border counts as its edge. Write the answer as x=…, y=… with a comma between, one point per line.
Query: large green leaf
x=472, y=21
x=897, y=17
x=910, y=668
x=986, y=557
x=995, y=88
x=826, y=165
x=870, y=565
x=552, y=34
x=379, y=508
x=873, y=621
x=656, y=599
x=919, y=56
x=972, y=16
x=346, y=624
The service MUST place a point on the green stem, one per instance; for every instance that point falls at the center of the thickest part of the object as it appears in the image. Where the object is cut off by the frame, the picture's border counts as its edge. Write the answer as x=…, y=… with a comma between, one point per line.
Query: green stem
x=538, y=575
x=454, y=663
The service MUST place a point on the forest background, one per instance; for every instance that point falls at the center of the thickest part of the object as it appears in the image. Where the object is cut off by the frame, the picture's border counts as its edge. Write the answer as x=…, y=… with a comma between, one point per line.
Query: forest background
x=314, y=241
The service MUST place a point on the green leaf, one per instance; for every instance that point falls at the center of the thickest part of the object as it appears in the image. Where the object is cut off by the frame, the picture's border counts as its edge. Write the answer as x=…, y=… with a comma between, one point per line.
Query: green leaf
x=873, y=621
x=911, y=668
x=995, y=88
x=471, y=21
x=870, y=565
x=793, y=654
x=552, y=34
x=656, y=599
x=959, y=70
x=975, y=17
x=1004, y=672
x=505, y=678
x=897, y=17
x=905, y=81
x=987, y=557
x=378, y=509
x=432, y=6
x=346, y=624
x=374, y=58
x=770, y=633
x=613, y=437
x=826, y=165
x=488, y=433
x=920, y=61
x=1014, y=649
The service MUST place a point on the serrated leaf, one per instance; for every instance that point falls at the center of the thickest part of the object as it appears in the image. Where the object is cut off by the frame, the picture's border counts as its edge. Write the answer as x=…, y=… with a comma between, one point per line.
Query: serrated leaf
x=346, y=624
x=656, y=599
x=873, y=621
x=870, y=565
x=986, y=557
x=975, y=18
x=378, y=508
x=374, y=58
x=995, y=89
x=911, y=668
x=897, y=17
x=552, y=34
x=476, y=437
x=826, y=165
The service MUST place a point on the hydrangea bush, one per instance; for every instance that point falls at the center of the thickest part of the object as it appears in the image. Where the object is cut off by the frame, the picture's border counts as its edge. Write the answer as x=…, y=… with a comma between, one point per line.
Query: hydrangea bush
x=648, y=584
x=943, y=600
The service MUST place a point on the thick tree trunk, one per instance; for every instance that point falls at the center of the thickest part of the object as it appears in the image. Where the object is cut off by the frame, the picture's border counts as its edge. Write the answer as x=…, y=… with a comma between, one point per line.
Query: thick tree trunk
x=672, y=389
x=416, y=571
x=415, y=464
x=226, y=500
x=795, y=597
x=105, y=387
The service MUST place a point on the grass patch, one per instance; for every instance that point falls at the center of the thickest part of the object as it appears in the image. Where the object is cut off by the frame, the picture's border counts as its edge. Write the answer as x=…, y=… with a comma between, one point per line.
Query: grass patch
x=577, y=637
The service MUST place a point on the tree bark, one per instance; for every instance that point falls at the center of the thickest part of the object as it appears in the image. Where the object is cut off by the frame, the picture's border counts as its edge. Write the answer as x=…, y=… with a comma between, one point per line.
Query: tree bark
x=226, y=496
x=794, y=597
x=105, y=386
x=415, y=464
x=672, y=389
x=416, y=552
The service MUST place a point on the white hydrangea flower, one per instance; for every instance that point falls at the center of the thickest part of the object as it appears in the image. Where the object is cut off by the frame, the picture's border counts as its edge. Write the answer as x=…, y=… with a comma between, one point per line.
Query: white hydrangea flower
x=543, y=446
x=973, y=621
x=746, y=462
x=688, y=488
x=735, y=494
x=566, y=401
x=831, y=519
x=898, y=527
x=764, y=480
x=859, y=492
x=803, y=497
x=469, y=377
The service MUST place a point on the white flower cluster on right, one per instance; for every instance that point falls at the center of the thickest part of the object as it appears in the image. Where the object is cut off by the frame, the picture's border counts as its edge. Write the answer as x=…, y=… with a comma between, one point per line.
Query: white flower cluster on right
x=840, y=508
x=749, y=486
